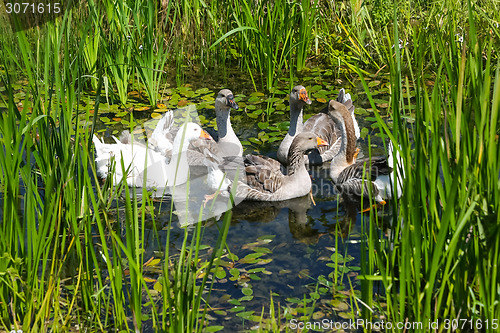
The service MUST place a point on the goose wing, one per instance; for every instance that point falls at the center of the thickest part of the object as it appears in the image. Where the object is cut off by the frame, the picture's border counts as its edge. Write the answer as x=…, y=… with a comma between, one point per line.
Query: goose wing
x=323, y=126
x=378, y=166
x=162, y=138
x=263, y=174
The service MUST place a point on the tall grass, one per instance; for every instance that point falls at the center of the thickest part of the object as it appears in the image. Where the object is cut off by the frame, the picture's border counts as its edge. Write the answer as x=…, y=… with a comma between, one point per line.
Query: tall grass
x=440, y=262
x=269, y=33
x=128, y=39
x=65, y=264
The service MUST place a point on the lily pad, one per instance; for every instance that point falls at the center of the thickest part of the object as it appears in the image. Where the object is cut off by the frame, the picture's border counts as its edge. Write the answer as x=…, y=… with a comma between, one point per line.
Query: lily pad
x=261, y=250
x=280, y=107
x=246, y=315
x=221, y=273
x=234, y=302
x=363, y=133
x=156, y=115
x=237, y=309
x=255, y=140
x=247, y=291
x=315, y=88
x=202, y=91
x=266, y=237
x=361, y=112
x=254, y=99
x=251, y=258
x=208, y=98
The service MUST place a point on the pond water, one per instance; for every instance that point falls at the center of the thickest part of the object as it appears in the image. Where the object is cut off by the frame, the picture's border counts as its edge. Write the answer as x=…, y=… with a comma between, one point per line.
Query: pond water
x=294, y=246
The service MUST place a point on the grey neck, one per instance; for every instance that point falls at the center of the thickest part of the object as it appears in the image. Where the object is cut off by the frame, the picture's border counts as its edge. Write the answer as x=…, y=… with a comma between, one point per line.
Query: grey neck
x=224, y=127
x=295, y=160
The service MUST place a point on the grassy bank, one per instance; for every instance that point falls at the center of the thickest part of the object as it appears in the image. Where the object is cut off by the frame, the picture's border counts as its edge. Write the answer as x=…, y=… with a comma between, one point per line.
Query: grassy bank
x=439, y=263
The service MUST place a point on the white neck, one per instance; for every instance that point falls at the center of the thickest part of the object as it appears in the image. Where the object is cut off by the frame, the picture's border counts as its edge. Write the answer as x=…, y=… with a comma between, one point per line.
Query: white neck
x=181, y=143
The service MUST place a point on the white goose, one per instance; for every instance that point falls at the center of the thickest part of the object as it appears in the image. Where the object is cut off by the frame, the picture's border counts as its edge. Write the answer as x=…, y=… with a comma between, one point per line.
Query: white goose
x=228, y=144
x=144, y=164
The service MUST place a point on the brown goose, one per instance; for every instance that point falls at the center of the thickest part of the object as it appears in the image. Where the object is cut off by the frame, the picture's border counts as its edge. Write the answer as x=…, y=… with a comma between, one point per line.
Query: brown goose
x=347, y=174
x=320, y=124
x=266, y=181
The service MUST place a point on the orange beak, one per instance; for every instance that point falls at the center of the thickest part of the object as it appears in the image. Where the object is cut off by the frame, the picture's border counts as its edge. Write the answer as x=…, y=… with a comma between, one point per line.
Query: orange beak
x=205, y=135
x=303, y=96
x=321, y=142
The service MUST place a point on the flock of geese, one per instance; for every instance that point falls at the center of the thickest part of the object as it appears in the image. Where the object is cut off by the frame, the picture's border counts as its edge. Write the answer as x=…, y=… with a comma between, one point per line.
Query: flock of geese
x=329, y=136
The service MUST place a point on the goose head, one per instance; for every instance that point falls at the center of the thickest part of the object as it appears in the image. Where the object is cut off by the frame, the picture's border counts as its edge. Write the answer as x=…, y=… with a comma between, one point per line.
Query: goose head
x=307, y=141
x=299, y=96
x=187, y=133
x=302, y=144
x=225, y=100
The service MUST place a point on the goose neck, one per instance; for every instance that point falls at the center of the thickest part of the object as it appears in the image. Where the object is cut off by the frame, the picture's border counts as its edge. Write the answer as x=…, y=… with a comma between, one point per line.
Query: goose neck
x=181, y=142
x=348, y=137
x=223, y=120
x=295, y=160
x=296, y=119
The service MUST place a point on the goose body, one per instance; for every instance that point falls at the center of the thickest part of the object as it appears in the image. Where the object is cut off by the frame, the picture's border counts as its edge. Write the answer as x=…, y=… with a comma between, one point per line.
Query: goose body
x=320, y=124
x=360, y=178
x=144, y=167
x=265, y=180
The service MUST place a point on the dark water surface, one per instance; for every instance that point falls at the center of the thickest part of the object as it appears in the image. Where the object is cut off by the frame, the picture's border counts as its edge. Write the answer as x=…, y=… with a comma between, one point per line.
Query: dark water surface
x=300, y=238
x=305, y=249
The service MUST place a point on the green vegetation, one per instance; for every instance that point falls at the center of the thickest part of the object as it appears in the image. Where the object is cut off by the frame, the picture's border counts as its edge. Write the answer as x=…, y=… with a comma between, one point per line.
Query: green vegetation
x=439, y=260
